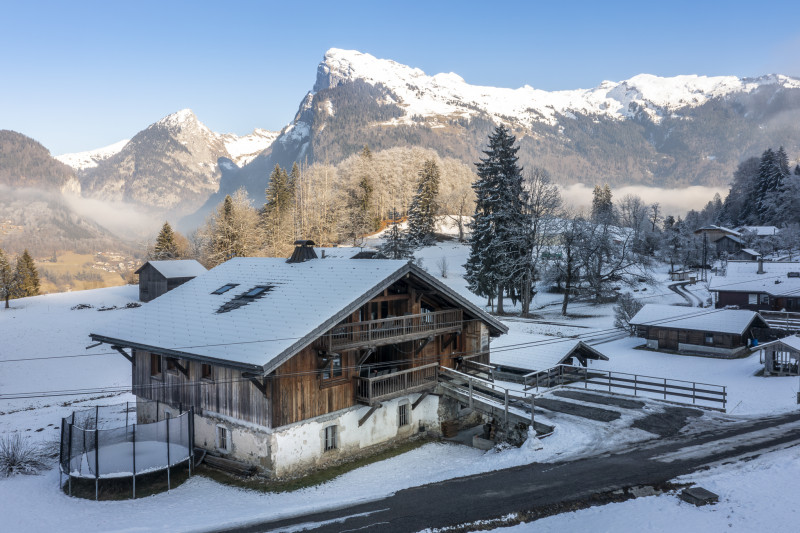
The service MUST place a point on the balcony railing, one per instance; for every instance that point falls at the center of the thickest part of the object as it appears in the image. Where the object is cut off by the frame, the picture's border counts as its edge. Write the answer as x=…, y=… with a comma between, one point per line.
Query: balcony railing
x=393, y=330
x=380, y=388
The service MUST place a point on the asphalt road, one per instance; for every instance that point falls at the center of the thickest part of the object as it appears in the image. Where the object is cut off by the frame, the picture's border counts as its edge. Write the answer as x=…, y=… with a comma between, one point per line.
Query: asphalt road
x=536, y=486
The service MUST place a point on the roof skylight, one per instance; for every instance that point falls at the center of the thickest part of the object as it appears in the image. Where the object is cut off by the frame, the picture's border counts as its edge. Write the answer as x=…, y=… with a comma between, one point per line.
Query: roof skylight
x=225, y=288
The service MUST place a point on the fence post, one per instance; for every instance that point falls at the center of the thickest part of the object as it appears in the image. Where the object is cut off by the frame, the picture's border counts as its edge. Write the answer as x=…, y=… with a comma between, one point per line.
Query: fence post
x=533, y=422
x=506, y=410
x=96, y=461
x=665, y=389
x=61, y=458
x=69, y=456
x=694, y=387
x=470, y=393
x=156, y=410
x=635, y=379
x=724, y=397
x=586, y=378
x=191, y=439
x=126, y=414
x=96, y=417
x=134, y=461
x=166, y=419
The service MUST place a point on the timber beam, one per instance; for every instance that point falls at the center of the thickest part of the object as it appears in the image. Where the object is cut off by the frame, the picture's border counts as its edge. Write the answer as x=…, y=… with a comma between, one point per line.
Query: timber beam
x=364, y=357
x=419, y=400
x=372, y=409
x=260, y=384
x=423, y=345
x=450, y=340
x=124, y=354
x=183, y=369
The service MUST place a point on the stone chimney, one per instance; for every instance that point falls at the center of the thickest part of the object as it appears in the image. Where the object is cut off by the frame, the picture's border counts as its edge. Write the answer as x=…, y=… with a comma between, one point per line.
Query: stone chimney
x=760, y=266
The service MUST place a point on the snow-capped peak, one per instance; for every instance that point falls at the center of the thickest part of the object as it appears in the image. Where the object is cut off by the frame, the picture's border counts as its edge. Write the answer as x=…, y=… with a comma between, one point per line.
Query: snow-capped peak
x=90, y=158
x=449, y=95
x=247, y=147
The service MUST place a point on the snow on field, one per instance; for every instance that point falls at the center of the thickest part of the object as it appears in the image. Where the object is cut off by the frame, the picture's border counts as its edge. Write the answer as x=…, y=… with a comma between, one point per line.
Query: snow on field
x=748, y=502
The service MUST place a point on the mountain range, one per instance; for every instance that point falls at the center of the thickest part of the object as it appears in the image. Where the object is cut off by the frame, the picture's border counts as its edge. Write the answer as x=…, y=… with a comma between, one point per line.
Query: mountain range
x=647, y=130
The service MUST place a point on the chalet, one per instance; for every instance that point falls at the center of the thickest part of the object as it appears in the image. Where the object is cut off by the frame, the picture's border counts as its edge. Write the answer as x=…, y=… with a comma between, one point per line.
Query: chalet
x=782, y=357
x=746, y=254
x=290, y=365
x=758, y=285
x=714, y=233
x=159, y=277
x=730, y=244
x=713, y=332
x=544, y=354
x=683, y=275
x=759, y=232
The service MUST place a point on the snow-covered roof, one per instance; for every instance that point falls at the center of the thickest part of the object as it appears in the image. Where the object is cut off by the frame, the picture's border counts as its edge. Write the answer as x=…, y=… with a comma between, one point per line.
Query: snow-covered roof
x=303, y=301
x=792, y=342
x=712, y=227
x=177, y=268
x=343, y=252
x=546, y=353
x=742, y=276
x=734, y=321
x=760, y=231
x=734, y=238
x=750, y=251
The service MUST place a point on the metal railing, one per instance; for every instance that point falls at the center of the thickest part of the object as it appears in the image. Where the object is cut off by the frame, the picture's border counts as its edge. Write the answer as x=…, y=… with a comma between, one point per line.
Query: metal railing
x=376, y=389
x=675, y=390
x=369, y=332
x=783, y=320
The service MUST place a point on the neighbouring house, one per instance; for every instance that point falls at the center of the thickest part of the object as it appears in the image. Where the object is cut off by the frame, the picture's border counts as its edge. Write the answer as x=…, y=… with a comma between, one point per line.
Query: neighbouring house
x=683, y=275
x=759, y=231
x=544, y=353
x=758, y=285
x=159, y=277
x=293, y=364
x=745, y=254
x=730, y=244
x=715, y=332
x=782, y=357
x=714, y=233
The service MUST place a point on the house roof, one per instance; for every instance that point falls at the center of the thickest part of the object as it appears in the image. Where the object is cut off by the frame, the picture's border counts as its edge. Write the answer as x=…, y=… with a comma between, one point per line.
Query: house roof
x=742, y=276
x=735, y=321
x=303, y=301
x=760, y=231
x=176, y=268
x=546, y=353
x=733, y=238
x=750, y=251
x=792, y=342
x=718, y=228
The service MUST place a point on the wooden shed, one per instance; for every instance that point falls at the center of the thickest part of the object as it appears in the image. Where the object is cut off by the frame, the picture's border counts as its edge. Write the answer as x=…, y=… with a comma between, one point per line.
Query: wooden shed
x=782, y=357
x=714, y=332
x=159, y=277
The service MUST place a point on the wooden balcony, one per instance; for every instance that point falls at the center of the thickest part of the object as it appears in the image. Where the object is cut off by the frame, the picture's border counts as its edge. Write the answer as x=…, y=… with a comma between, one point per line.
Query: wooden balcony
x=393, y=330
x=372, y=391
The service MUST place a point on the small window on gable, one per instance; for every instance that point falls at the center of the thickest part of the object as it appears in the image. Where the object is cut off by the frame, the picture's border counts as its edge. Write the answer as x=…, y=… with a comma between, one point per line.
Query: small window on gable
x=155, y=365
x=205, y=372
x=333, y=368
x=225, y=288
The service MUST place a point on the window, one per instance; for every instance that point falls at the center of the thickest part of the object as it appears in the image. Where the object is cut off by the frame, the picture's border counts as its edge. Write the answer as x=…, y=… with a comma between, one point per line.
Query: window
x=333, y=369
x=155, y=365
x=223, y=439
x=709, y=338
x=765, y=299
x=205, y=372
x=752, y=299
x=225, y=288
x=402, y=415
x=330, y=438
x=257, y=291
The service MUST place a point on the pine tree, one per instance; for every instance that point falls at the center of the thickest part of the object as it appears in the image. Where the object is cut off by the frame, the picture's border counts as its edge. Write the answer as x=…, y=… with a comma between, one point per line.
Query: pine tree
x=27, y=276
x=602, y=205
x=8, y=280
x=424, y=206
x=497, y=243
x=232, y=230
x=166, y=247
x=396, y=245
x=797, y=170
x=278, y=212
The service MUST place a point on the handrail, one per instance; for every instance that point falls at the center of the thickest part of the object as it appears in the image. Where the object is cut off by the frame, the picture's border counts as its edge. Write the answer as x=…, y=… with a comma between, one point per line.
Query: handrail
x=378, y=388
x=399, y=372
x=355, y=333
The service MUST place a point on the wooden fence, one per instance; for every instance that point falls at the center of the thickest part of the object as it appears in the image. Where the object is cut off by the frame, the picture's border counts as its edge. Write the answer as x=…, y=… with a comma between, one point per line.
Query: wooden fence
x=676, y=390
x=374, y=390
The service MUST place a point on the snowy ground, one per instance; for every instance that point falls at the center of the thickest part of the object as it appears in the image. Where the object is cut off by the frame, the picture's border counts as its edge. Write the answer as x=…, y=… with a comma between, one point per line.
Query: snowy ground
x=753, y=496
x=44, y=327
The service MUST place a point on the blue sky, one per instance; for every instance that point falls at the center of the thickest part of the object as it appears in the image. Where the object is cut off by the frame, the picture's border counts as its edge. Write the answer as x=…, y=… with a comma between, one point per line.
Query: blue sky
x=80, y=75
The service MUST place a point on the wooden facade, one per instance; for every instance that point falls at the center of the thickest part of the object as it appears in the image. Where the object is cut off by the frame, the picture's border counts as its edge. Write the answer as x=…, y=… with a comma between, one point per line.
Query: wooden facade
x=153, y=283
x=671, y=338
x=758, y=301
x=330, y=372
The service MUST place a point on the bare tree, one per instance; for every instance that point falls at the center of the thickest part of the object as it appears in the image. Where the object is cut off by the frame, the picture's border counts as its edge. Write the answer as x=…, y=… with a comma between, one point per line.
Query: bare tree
x=442, y=265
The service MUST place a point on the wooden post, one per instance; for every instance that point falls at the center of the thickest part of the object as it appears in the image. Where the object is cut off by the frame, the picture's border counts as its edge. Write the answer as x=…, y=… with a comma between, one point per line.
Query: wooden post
x=69, y=456
x=134, y=461
x=506, y=410
x=96, y=417
x=96, y=460
x=533, y=422
x=61, y=458
x=635, y=391
x=609, y=381
x=191, y=440
x=665, y=388
x=126, y=415
x=470, y=393
x=694, y=387
x=166, y=419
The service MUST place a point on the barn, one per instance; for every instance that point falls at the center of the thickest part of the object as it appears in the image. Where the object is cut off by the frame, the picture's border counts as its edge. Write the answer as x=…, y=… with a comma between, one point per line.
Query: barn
x=292, y=365
x=159, y=277
x=722, y=333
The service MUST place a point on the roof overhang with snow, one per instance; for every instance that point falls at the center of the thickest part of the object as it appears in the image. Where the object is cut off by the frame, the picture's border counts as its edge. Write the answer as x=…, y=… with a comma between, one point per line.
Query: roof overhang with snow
x=305, y=300
x=733, y=321
x=544, y=354
x=177, y=268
